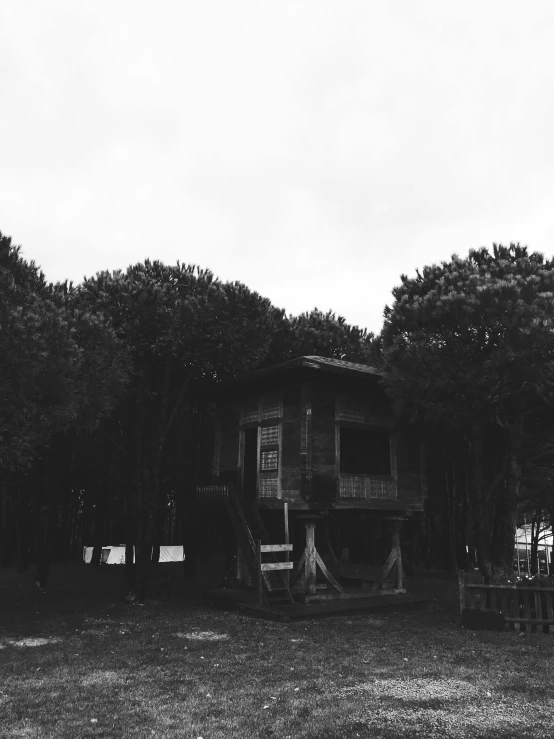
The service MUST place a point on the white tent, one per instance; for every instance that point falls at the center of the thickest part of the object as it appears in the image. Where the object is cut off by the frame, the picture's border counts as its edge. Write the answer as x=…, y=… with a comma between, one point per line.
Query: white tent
x=116, y=555
x=523, y=536
x=523, y=548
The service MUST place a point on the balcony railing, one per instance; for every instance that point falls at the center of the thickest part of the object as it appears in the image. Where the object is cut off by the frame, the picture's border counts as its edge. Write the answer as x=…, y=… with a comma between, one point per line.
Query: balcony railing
x=212, y=494
x=367, y=487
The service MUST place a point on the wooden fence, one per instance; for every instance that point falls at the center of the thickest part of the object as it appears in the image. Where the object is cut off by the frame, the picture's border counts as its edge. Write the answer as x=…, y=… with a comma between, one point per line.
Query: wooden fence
x=524, y=608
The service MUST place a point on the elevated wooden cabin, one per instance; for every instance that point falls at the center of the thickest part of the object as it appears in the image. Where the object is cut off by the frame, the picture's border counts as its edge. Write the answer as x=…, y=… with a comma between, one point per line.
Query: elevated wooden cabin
x=318, y=435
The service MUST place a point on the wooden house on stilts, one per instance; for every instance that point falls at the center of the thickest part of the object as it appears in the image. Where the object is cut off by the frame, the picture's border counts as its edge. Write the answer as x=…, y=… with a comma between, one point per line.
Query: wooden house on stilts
x=317, y=479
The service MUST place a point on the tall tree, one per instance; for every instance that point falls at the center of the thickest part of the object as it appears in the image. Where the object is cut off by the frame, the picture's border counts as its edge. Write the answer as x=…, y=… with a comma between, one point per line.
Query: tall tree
x=326, y=335
x=60, y=369
x=184, y=328
x=470, y=343
x=38, y=358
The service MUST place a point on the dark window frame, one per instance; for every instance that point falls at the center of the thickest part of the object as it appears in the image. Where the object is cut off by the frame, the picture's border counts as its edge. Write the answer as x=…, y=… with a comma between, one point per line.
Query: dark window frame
x=364, y=451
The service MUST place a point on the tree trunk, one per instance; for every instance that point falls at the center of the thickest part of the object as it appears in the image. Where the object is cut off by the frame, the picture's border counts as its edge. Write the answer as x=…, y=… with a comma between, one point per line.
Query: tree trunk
x=7, y=531
x=144, y=563
x=450, y=479
x=96, y=558
x=129, y=512
x=44, y=541
x=535, y=530
x=129, y=571
x=156, y=554
x=23, y=526
x=507, y=519
x=550, y=565
x=189, y=525
x=145, y=531
x=481, y=513
x=463, y=519
x=98, y=538
x=98, y=532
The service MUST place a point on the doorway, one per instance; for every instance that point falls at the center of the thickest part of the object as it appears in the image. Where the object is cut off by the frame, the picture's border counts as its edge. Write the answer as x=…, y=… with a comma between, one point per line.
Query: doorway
x=250, y=466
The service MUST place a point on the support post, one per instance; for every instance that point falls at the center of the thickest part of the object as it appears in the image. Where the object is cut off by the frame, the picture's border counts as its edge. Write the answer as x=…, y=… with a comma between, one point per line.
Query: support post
x=287, y=555
x=398, y=552
x=394, y=558
x=310, y=560
x=259, y=571
x=461, y=585
x=240, y=571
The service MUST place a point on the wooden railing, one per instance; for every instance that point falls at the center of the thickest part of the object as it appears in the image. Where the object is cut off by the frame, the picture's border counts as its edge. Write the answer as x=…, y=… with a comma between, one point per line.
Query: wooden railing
x=366, y=486
x=218, y=495
x=212, y=494
x=523, y=607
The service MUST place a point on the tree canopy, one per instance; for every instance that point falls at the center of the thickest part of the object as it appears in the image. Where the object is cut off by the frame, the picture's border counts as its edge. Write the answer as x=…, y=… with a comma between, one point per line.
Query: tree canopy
x=470, y=343
x=58, y=365
x=470, y=335
x=316, y=333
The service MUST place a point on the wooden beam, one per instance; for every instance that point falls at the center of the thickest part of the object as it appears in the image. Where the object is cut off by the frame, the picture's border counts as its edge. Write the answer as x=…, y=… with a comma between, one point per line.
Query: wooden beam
x=353, y=594
x=276, y=548
x=310, y=559
x=298, y=568
x=259, y=573
x=480, y=586
x=327, y=574
x=287, y=541
x=396, y=545
x=385, y=570
x=265, y=567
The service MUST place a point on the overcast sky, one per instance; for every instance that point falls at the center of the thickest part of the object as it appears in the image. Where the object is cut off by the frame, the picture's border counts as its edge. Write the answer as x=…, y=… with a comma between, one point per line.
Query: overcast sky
x=313, y=150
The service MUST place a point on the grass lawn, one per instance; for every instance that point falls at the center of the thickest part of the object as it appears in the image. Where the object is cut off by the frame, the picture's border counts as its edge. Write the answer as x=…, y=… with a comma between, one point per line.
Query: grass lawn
x=79, y=662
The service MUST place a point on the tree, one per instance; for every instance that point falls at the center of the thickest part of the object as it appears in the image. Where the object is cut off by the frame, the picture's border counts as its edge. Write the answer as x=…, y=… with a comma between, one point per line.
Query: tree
x=61, y=368
x=470, y=343
x=184, y=329
x=326, y=335
x=38, y=355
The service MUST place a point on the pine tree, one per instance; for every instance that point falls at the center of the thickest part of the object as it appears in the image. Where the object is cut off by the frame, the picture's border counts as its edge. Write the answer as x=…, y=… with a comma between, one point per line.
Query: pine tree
x=470, y=343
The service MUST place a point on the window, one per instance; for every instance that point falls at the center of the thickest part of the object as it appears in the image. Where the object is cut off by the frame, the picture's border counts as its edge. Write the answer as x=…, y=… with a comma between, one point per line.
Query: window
x=268, y=484
x=260, y=419
x=270, y=436
x=364, y=452
x=272, y=406
x=269, y=460
x=269, y=487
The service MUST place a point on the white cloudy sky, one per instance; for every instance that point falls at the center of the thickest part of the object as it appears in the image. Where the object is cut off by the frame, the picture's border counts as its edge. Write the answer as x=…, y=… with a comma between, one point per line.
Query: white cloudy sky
x=313, y=149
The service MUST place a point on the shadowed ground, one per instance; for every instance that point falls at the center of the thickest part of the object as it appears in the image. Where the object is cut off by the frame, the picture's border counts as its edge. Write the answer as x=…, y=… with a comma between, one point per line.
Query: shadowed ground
x=77, y=661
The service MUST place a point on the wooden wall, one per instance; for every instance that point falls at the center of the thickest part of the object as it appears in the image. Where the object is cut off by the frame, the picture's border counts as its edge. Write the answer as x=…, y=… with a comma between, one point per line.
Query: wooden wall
x=324, y=470
x=309, y=466
x=229, y=414
x=228, y=417
x=290, y=444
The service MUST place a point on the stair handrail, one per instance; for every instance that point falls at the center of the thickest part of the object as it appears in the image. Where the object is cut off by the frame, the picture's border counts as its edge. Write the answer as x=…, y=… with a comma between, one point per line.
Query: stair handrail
x=259, y=523
x=238, y=510
x=234, y=500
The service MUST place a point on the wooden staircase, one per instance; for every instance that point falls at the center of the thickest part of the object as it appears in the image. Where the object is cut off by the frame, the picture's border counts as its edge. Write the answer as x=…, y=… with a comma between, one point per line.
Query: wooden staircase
x=251, y=534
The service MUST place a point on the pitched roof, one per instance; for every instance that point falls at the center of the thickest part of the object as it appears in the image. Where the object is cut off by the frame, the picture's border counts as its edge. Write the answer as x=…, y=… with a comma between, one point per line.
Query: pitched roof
x=339, y=365
x=319, y=363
